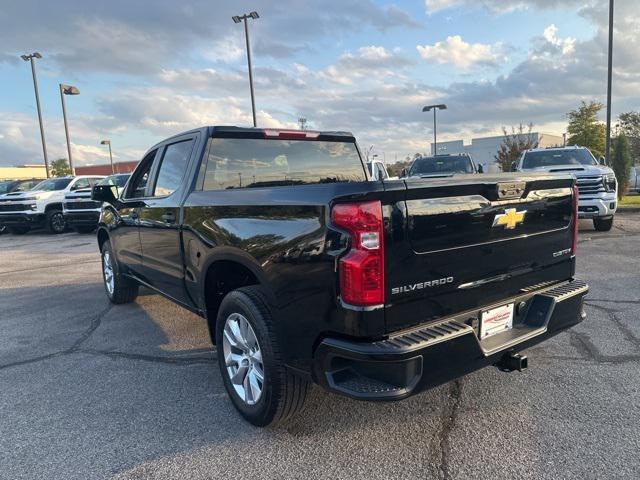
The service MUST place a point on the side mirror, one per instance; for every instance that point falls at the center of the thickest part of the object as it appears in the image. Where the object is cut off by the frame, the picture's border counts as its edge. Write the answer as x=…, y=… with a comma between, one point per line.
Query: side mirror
x=602, y=161
x=513, y=166
x=104, y=193
x=480, y=168
x=403, y=173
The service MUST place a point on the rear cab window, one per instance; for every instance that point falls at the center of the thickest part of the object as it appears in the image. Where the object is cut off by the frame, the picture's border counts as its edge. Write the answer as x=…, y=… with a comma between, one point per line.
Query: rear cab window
x=234, y=163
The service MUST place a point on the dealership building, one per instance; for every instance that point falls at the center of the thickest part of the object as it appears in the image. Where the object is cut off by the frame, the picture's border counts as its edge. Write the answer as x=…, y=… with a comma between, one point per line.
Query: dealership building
x=483, y=150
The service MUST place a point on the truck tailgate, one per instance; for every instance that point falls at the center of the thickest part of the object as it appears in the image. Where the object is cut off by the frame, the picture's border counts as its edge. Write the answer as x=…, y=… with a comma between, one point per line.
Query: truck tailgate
x=461, y=243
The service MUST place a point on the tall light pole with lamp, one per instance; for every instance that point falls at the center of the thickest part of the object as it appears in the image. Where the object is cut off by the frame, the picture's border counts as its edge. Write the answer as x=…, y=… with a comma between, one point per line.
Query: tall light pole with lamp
x=108, y=142
x=428, y=108
x=238, y=19
x=30, y=58
x=67, y=90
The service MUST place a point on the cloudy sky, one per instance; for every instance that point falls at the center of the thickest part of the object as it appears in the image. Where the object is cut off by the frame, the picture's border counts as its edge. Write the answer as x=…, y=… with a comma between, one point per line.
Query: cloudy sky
x=150, y=69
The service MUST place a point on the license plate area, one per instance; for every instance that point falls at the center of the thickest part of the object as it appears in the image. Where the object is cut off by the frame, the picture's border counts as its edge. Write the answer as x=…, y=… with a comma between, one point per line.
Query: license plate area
x=496, y=320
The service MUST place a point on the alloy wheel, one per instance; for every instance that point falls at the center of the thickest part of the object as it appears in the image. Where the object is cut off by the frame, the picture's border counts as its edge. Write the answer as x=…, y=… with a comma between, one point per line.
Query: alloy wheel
x=107, y=269
x=57, y=222
x=243, y=358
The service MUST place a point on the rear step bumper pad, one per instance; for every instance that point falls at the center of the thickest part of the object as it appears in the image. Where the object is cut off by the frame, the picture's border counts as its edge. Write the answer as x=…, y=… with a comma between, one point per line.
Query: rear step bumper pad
x=420, y=358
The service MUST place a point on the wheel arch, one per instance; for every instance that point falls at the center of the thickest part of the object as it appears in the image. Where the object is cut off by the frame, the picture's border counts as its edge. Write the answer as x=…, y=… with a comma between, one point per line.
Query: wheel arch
x=53, y=206
x=224, y=272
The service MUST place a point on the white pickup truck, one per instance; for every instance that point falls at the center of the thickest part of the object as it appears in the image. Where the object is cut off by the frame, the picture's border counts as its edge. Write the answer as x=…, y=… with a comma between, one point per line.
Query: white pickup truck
x=81, y=213
x=42, y=205
x=597, y=183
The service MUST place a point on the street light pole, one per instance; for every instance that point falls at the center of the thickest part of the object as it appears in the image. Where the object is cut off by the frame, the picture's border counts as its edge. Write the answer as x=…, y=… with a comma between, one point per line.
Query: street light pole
x=30, y=58
x=609, y=81
x=428, y=108
x=108, y=142
x=238, y=19
x=67, y=90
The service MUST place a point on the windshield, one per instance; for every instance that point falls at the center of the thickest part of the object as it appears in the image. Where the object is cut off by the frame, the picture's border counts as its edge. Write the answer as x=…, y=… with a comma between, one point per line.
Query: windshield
x=253, y=163
x=553, y=158
x=449, y=164
x=5, y=186
x=117, y=180
x=53, y=184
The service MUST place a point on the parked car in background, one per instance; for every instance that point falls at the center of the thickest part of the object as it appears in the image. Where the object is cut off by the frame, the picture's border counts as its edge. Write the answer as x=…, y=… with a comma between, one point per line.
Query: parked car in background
x=42, y=205
x=307, y=271
x=8, y=186
x=377, y=170
x=80, y=212
x=634, y=179
x=438, y=166
x=597, y=183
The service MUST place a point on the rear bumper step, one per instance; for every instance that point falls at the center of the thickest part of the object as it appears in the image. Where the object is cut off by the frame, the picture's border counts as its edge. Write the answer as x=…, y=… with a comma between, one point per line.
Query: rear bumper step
x=420, y=358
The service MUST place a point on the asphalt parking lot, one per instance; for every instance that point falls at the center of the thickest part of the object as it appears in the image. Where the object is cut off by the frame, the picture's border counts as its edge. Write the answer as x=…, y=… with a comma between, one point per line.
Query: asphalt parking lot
x=89, y=390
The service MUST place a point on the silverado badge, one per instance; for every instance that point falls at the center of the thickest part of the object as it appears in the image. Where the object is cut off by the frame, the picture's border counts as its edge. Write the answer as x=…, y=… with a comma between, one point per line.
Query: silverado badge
x=509, y=219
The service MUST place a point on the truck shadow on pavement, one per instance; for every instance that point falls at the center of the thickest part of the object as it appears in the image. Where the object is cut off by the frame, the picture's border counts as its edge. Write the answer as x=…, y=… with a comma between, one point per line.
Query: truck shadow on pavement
x=94, y=389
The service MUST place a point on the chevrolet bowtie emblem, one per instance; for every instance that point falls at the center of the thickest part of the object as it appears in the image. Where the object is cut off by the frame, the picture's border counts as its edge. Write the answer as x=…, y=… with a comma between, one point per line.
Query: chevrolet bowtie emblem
x=509, y=219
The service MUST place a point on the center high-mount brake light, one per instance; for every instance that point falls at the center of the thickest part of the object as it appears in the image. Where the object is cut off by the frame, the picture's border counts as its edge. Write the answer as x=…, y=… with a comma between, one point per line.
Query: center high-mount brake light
x=362, y=268
x=290, y=134
x=574, y=225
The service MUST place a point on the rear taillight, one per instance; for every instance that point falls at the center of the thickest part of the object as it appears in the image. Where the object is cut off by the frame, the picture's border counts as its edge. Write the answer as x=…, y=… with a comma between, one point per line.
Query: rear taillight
x=574, y=220
x=362, y=268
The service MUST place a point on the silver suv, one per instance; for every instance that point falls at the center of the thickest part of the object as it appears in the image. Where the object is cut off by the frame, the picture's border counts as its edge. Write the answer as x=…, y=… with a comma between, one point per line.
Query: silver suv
x=597, y=183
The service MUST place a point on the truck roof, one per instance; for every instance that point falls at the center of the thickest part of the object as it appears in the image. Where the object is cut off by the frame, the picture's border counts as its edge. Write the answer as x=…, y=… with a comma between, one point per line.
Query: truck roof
x=282, y=133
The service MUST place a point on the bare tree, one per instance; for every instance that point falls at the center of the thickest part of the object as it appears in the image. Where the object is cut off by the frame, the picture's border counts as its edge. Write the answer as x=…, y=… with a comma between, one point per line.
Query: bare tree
x=513, y=144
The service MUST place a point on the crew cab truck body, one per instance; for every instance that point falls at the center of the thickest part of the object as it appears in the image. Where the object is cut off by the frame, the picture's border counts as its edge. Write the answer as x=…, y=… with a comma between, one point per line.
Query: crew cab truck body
x=81, y=213
x=597, y=183
x=42, y=205
x=307, y=271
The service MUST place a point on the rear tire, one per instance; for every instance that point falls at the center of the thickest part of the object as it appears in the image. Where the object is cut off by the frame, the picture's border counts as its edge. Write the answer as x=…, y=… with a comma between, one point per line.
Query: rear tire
x=55, y=222
x=252, y=344
x=18, y=230
x=120, y=289
x=603, y=224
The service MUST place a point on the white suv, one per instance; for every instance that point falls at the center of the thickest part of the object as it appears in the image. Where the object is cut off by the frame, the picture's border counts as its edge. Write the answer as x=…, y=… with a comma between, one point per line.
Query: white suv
x=42, y=205
x=597, y=183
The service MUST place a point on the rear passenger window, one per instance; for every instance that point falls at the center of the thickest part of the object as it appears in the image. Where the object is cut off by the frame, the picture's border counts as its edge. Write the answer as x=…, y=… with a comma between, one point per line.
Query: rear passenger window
x=252, y=163
x=173, y=167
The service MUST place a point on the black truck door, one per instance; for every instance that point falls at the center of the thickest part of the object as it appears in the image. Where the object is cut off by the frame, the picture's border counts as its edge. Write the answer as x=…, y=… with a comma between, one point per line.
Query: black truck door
x=159, y=220
x=125, y=237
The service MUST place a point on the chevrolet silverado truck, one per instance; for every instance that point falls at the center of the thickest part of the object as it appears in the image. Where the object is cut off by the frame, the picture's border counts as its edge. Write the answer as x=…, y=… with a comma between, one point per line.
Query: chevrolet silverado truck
x=9, y=186
x=597, y=183
x=81, y=213
x=307, y=271
x=41, y=206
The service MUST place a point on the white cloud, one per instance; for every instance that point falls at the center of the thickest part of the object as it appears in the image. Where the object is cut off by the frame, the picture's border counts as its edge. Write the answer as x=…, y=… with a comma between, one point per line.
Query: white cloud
x=462, y=54
x=565, y=45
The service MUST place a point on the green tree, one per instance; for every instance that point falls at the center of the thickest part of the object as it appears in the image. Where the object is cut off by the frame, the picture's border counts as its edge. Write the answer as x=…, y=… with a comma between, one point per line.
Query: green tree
x=585, y=129
x=60, y=168
x=513, y=144
x=629, y=125
x=621, y=163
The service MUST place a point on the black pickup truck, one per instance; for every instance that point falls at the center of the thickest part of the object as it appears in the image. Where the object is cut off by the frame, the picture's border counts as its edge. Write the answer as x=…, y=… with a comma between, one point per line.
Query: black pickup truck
x=308, y=271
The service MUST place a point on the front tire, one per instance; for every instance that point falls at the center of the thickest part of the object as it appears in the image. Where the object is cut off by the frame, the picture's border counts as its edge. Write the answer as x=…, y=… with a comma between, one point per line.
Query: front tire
x=603, y=224
x=261, y=388
x=120, y=289
x=55, y=222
